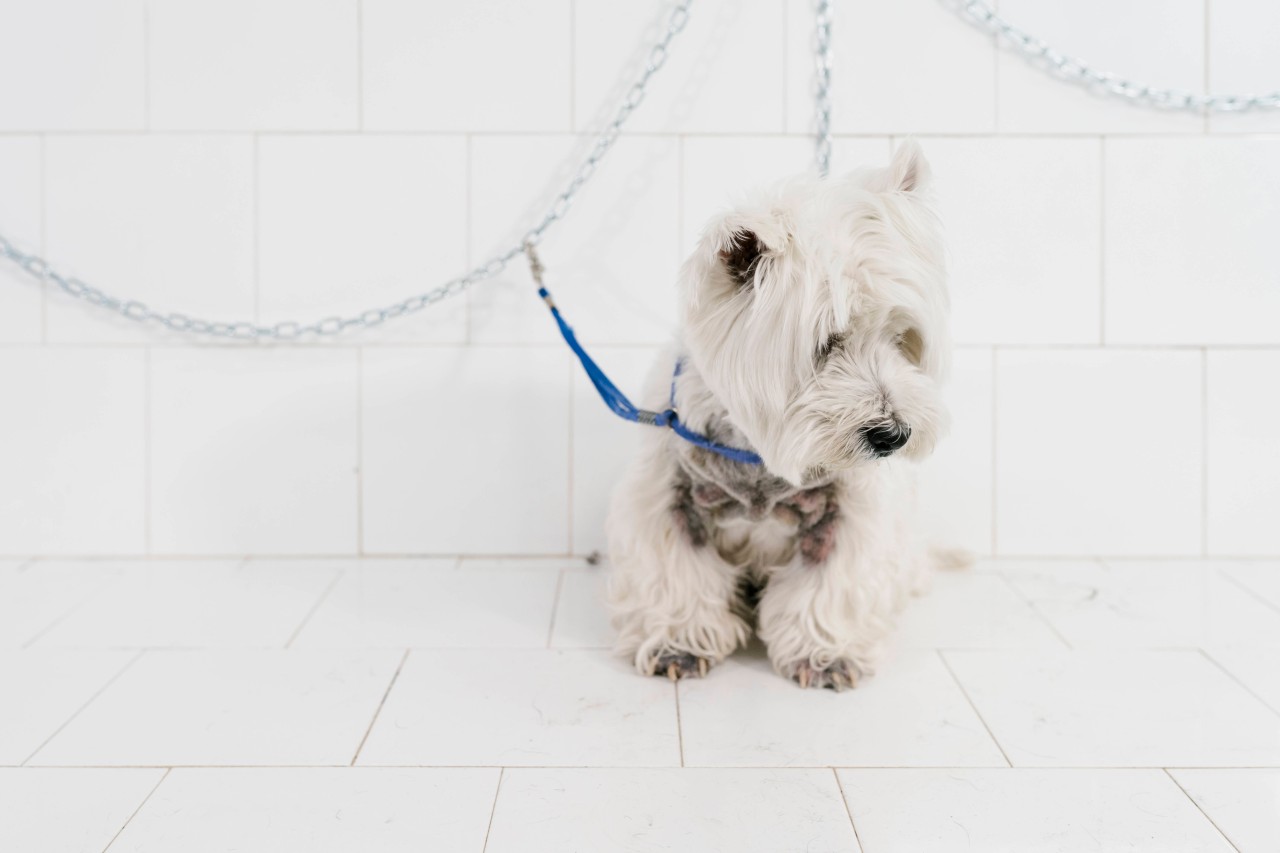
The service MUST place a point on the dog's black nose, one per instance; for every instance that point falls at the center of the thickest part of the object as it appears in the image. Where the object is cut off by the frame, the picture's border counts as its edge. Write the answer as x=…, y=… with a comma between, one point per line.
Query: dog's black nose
x=884, y=439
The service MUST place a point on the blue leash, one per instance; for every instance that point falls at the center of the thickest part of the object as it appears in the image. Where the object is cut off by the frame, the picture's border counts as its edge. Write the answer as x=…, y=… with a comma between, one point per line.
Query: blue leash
x=614, y=398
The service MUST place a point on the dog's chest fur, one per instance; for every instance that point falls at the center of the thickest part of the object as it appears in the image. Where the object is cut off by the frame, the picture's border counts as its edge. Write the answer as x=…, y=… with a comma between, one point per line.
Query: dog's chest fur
x=753, y=519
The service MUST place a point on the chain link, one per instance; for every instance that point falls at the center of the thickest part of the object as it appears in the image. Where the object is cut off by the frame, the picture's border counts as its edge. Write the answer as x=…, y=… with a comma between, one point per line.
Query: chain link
x=822, y=91
x=1078, y=71
x=140, y=312
x=976, y=11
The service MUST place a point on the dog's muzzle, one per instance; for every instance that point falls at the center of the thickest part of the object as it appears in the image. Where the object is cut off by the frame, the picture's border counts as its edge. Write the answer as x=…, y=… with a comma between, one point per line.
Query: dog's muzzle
x=884, y=439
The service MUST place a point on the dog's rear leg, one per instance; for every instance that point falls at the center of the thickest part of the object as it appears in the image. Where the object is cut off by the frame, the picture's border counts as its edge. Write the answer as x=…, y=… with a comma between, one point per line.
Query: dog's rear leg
x=671, y=595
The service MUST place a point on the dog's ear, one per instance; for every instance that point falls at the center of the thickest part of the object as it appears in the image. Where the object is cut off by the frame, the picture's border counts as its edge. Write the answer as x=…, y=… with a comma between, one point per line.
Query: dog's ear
x=909, y=172
x=741, y=255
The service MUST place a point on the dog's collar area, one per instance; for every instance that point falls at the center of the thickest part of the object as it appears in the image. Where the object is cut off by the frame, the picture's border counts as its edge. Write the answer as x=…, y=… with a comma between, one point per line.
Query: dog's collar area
x=737, y=454
x=617, y=401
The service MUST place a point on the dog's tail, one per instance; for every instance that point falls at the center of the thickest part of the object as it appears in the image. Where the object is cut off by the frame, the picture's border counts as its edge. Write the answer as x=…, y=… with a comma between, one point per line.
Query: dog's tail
x=952, y=559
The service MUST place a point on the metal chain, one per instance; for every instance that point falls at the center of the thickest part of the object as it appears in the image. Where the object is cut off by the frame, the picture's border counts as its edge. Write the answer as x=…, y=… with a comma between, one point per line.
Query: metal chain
x=141, y=312
x=1078, y=71
x=822, y=94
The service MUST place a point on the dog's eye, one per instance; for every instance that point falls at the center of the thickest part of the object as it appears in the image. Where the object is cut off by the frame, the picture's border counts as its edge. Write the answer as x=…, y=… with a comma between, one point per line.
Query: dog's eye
x=911, y=345
x=829, y=346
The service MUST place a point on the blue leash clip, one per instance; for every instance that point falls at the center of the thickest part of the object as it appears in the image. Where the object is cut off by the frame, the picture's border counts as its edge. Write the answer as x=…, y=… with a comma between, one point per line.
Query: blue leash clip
x=614, y=398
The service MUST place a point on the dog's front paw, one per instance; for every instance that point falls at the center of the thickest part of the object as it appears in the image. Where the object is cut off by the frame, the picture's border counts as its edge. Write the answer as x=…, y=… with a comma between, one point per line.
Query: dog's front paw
x=678, y=665
x=839, y=675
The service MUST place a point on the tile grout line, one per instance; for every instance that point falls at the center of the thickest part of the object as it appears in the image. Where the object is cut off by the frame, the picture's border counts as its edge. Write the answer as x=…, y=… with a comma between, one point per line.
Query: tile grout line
x=955, y=678
x=1207, y=119
x=1212, y=823
x=36, y=637
x=44, y=237
x=1035, y=611
x=960, y=767
x=587, y=136
x=360, y=66
x=146, y=67
x=254, y=213
x=847, y=810
x=468, y=232
x=1229, y=674
x=1266, y=602
x=315, y=608
x=502, y=771
x=555, y=606
x=573, y=65
x=570, y=440
x=1102, y=241
x=679, y=722
x=680, y=247
x=141, y=805
x=1204, y=452
x=378, y=710
x=112, y=680
x=360, y=451
x=786, y=67
x=146, y=449
x=995, y=79
x=995, y=448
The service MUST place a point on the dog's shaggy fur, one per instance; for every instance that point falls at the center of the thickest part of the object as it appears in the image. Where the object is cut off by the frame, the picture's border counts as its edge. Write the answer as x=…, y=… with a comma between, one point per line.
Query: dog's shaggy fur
x=814, y=332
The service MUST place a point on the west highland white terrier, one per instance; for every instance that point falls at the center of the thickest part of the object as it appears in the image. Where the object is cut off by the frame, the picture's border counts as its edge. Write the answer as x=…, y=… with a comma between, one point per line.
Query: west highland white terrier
x=814, y=333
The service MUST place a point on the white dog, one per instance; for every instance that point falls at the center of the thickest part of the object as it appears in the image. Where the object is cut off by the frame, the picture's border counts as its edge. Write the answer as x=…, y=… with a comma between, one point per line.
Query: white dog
x=815, y=335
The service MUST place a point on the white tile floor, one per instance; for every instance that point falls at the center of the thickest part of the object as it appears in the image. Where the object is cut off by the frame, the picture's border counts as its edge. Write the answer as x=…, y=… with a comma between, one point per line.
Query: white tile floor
x=408, y=705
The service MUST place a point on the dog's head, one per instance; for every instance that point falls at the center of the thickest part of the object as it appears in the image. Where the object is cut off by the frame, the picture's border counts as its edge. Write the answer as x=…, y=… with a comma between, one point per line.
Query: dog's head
x=817, y=314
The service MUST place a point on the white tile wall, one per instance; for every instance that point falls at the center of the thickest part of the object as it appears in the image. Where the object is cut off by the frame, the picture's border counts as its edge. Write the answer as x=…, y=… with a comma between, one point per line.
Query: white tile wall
x=1243, y=424
x=957, y=487
x=20, y=218
x=253, y=451
x=466, y=450
x=1155, y=41
x=612, y=264
x=73, y=464
x=733, y=80
x=1190, y=234
x=1098, y=451
x=73, y=65
x=482, y=65
x=285, y=159
x=349, y=222
x=1244, y=59
x=249, y=64
x=162, y=218
x=1023, y=220
x=906, y=67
